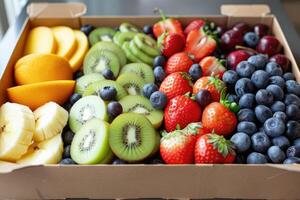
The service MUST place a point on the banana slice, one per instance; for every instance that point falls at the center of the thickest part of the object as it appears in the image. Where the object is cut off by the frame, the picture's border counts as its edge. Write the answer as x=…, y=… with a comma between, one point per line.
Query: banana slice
x=50, y=119
x=46, y=152
x=16, y=130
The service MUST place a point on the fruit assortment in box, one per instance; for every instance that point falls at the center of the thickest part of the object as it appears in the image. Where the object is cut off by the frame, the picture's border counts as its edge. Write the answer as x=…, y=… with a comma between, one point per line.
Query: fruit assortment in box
x=158, y=94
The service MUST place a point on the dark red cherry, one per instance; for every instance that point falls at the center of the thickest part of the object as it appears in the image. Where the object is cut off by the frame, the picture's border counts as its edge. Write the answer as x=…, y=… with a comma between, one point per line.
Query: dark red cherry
x=269, y=45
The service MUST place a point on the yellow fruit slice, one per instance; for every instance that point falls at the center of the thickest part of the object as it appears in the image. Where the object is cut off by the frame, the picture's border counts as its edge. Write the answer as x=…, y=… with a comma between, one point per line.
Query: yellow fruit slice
x=36, y=68
x=82, y=48
x=65, y=39
x=37, y=94
x=40, y=40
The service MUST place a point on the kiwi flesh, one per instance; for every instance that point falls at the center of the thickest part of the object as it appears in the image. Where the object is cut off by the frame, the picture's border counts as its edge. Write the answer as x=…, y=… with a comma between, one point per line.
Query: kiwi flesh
x=98, y=60
x=132, y=83
x=90, y=144
x=85, y=109
x=139, y=53
x=127, y=27
x=146, y=44
x=121, y=37
x=101, y=34
x=141, y=69
x=83, y=82
x=132, y=137
x=129, y=54
x=142, y=105
x=95, y=88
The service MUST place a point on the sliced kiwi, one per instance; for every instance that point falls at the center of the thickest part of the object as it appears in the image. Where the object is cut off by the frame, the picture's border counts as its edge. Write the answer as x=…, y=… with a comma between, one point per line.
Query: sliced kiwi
x=98, y=60
x=139, y=53
x=101, y=34
x=83, y=82
x=85, y=109
x=110, y=46
x=141, y=69
x=132, y=137
x=126, y=27
x=129, y=54
x=90, y=144
x=132, y=83
x=146, y=44
x=95, y=88
x=121, y=37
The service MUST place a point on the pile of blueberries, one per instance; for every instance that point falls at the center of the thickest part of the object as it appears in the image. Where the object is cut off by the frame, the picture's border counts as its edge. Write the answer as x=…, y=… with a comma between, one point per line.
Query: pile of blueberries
x=268, y=128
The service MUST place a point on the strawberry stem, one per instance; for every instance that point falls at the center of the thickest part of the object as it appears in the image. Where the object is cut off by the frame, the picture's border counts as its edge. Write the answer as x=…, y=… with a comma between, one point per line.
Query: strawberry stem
x=161, y=13
x=223, y=146
x=232, y=106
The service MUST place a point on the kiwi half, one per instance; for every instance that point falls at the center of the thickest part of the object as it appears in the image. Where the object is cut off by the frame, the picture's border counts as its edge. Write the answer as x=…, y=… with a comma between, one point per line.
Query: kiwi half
x=146, y=44
x=98, y=60
x=83, y=82
x=126, y=27
x=121, y=37
x=132, y=137
x=141, y=69
x=139, y=53
x=129, y=54
x=94, y=88
x=132, y=83
x=101, y=34
x=85, y=109
x=142, y=105
x=90, y=144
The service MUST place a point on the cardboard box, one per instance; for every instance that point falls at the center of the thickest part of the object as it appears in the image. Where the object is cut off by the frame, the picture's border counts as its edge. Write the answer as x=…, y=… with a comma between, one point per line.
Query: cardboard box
x=268, y=181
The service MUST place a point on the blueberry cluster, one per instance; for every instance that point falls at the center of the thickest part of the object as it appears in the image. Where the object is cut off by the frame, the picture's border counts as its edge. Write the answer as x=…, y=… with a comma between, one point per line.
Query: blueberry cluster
x=269, y=118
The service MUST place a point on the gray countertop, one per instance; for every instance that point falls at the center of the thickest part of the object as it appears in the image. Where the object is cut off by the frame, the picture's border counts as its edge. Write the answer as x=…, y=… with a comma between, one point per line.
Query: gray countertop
x=145, y=7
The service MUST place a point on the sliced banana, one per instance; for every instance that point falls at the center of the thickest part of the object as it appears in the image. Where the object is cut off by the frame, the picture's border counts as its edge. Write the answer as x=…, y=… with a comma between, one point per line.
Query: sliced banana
x=16, y=130
x=50, y=119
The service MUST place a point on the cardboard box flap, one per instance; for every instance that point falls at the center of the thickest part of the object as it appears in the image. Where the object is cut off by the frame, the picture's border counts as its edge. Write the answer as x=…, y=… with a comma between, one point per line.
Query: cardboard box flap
x=56, y=10
x=245, y=10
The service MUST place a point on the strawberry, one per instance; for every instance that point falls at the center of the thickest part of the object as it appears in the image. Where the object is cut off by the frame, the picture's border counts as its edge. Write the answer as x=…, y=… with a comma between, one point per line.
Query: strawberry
x=196, y=129
x=180, y=111
x=175, y=84
x=177, y=148
x=211, y=66
x=213, y=148
x=212, y=84
x=179, y=62
x=217, y=117
x=199, y=44
x=170, y=44
x=169, y=25
x=194, y=25
x=230, y=158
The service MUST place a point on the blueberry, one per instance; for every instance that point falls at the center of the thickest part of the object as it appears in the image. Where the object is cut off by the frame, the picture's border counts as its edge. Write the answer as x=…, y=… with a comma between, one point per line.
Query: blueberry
x=281, y=141
x=108, y=74
x=67, y=161
x=274, y=69
x=296, y=142
x=264, y=97
x=75, y=97
x=119, y=162
x=256, y=158
x=86, y=29
x=243, y=86
x=292, y=99
x=240, y=159
x=247, y=101
x=260, y=79
x=230, y=77
x=274, y=127
x=108, y=93
x=148, y=89
x=67, y=137
x=251, y=39
x=195, y=71
x=293, y=112
x=292, y=87
x=288, y=76
x=276, y=155
x=260, y=142
x=245, y=69
x=262, y=113
x=147, y=29
x=292, y=130
x=159, y=74
x=77, y=75
x=114, y=109
x=158, y=100
x=66, y=153
x=159, y=61
x=246, y=114
x=247, y=127
x=293, y=151
x=241, y=141
x=203, y=98
x=278, y=106
x=259, y=61
x=277, y=80
x=233, y=98
x=292, y=160
x=276, y=91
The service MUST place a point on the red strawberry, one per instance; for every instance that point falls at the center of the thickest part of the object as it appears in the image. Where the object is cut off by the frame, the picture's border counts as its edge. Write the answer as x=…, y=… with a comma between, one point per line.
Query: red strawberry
x=217, y=117
x=177, y=148
x=180, y=111
x=179, y=62
x=194, y=25
x=168, y=25
x=213, y=148
x=211, y=66
x=171, y=44
x=196, y=129
x=175, y=84
x=199, y=44
x=230, y=158
x=212, y=84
